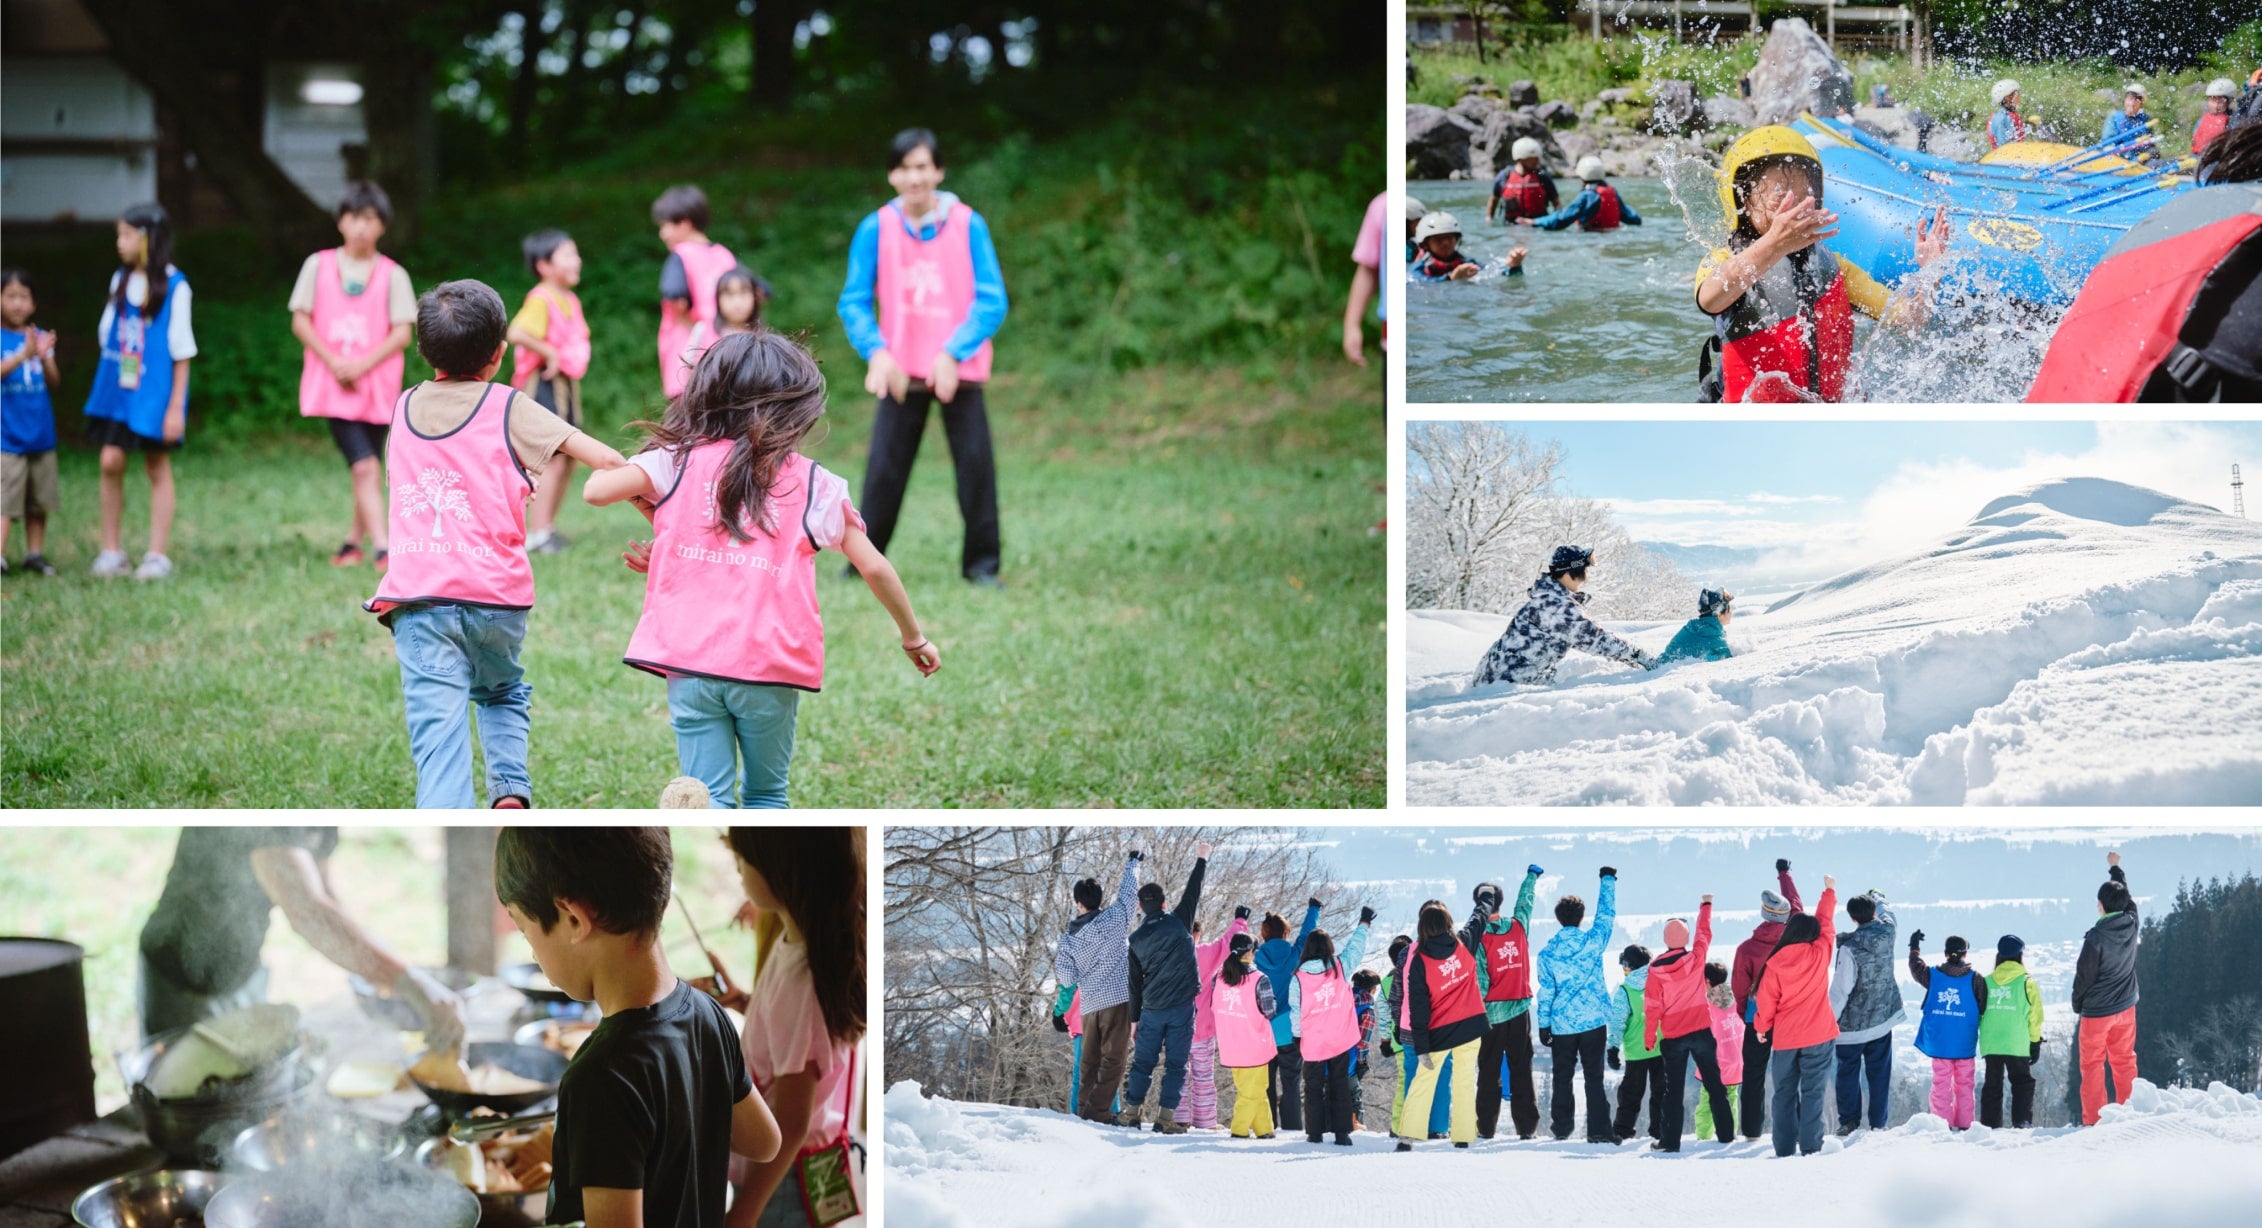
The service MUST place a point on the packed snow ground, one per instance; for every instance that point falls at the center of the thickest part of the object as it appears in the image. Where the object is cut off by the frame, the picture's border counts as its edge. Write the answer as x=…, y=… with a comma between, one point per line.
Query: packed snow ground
x=2171, y=1156
x=2079, y=642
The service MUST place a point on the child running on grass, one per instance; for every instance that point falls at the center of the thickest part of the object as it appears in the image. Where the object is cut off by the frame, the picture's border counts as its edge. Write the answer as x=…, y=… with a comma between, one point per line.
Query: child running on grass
x=730, y=601
x=804, y=1017
x=739, y=296
x=658, y=1099
x=29, y=490
x=687, y=278
x=352, y=309
x=138, y=401
x=462, y=454
x=1243, y=1003
x=552, y=337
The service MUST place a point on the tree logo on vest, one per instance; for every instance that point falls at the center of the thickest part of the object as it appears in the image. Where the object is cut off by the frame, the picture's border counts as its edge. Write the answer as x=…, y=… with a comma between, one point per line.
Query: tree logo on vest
x=1951, y=1000
x=923, y=281
x=1326, y=994
x=435, y=492
x=348, y=334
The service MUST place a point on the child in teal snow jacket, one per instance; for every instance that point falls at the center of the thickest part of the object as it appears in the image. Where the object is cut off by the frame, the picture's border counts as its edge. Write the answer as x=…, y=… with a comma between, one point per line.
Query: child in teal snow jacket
x=1572, y=996
x=1705, y=637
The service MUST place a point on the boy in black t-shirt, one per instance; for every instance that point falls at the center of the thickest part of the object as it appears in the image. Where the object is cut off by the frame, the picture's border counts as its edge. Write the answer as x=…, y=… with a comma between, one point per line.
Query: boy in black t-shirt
x=658, y=1098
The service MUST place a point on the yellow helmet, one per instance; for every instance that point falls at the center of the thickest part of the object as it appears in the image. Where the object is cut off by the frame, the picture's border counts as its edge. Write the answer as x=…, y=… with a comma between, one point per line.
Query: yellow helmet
x=1771, y=141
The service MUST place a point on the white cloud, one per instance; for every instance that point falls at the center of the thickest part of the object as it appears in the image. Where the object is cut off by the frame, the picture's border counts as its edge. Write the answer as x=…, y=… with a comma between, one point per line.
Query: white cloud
x=1761, y=496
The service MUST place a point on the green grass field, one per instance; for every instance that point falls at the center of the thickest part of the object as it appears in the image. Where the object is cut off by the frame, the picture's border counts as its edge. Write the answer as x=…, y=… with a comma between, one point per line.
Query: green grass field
x=1188, y=473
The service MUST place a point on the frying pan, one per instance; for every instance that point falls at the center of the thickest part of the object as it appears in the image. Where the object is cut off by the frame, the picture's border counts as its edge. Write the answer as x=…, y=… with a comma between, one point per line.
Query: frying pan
x=528, y=980
x=395, y=1010
x=526, y=1061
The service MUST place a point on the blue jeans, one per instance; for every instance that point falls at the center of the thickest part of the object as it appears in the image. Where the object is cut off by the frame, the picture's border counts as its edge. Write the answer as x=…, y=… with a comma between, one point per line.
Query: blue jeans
x=1877, y=1055
x=1800, y=1076
x=1168, y=1035
x=453, y=657
x=736, y=737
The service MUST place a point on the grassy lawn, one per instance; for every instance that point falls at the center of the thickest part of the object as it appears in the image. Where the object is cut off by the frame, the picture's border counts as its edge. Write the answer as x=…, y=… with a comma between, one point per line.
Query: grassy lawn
x=1188, y=473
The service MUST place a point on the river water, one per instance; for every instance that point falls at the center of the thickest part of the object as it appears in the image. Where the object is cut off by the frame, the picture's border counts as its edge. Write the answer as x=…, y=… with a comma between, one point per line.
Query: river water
x=1613, y=317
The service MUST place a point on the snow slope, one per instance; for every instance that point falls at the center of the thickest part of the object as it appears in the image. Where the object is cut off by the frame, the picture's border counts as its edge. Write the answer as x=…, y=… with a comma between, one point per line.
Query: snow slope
x=2172, y=1156
x=2081, y=641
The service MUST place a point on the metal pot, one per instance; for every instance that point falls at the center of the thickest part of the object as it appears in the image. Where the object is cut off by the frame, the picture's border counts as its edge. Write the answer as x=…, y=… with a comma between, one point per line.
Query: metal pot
x=45, y=1036
x=319, y=1138
x=387, y=1194
x=493, y=1208
x=162, y=1199
x=200, y=1129
x=526, y=1061
x=388, y=1009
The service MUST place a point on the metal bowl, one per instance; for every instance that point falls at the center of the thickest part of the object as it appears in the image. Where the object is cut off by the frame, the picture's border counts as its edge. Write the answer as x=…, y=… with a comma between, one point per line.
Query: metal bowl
x=498, y=1208
x=377, y=1194
x=528, y=980
x=199, y=1129
x=526, y=1061
x=320, y=1138
x=162, y=1199
x=389, y=1009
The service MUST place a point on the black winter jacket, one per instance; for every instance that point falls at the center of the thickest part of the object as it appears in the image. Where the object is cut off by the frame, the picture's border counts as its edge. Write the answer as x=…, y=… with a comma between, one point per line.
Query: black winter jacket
x=1163, y=974
x=2105, y=976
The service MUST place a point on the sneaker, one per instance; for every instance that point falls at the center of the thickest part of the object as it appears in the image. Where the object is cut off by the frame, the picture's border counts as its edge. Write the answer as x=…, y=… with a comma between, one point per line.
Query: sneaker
x=1167, y=1126
x=1847, y=1128
x=509, y=801
x=985, y=579
x=382, y=561
x=4, y=566
x=153, y=567
x=37, y=564
x=110, y=564
x=348, y=555
x=551, y=542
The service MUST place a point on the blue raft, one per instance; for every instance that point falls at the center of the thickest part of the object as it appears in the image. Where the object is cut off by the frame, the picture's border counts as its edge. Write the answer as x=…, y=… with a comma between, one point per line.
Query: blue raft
x=2029, y=233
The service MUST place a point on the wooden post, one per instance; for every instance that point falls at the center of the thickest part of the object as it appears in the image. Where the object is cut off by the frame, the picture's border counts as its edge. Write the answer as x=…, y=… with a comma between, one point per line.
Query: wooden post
x=471, y=899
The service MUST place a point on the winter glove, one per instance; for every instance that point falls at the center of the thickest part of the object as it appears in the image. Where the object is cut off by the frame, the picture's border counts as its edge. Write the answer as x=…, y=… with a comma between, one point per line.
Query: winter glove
x=1614, y=1061
x=1429, y=1061
x=1610, y=871
x=1388, y=1049
x=1533, y=869
x=1135, y=855
x=435, y=1004
x=1644, y=660
x=1782, y=865
x=1241, y=913
x=1547, y=1037
x=1489, y=895
x=1060, y=1023
x=1875, y=894
x=2034, y=1052
x=1314, y=902
x=1366, y=915
x=1916, y=941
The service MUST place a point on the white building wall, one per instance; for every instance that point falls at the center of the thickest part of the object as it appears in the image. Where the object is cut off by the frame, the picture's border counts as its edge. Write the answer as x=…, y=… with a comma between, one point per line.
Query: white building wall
x=73, y=98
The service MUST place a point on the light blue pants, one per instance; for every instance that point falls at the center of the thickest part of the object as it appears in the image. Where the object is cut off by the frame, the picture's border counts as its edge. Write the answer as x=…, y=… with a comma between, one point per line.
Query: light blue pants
x=452, y=658
x=736, y=737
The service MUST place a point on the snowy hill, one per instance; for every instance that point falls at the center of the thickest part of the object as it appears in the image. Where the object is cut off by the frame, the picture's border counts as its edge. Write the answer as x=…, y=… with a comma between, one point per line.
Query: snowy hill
x=2081, y=641
x=2171, y=1156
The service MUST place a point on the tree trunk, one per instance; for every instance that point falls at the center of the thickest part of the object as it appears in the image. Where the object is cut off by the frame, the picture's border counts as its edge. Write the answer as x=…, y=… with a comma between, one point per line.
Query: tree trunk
x=396, y=106
x=626, y=61
x=147, y=38
x=530, y=44
x=773, y=26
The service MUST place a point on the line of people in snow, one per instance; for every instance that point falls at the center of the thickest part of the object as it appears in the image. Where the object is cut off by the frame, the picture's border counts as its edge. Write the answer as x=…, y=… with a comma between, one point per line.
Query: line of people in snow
x=1553, y=621
x=1798, y=1000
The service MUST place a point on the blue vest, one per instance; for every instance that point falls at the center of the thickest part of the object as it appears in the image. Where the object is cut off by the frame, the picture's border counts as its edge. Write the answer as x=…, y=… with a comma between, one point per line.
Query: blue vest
x=141, y=409
x=1952, y=1006
x=27, y=418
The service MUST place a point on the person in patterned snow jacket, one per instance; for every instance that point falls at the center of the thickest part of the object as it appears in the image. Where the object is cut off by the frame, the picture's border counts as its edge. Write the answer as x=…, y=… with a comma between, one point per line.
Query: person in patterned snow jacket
x=1550, y=624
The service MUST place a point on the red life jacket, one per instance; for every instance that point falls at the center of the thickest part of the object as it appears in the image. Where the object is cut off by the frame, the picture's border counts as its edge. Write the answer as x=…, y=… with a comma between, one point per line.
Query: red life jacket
x=1508, y=965
x=1606, y=215
x=2207, y=129
x=1452, y=987
x=1525, y=193
x=2127, y=322
x=1774, y=330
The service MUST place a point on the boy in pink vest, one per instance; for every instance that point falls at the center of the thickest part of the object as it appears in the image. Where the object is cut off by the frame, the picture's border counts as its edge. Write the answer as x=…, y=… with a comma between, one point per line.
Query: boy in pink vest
x=687, y=278
x=463, y=454
x=922, y=299
x=352, y=309
x=552, y=337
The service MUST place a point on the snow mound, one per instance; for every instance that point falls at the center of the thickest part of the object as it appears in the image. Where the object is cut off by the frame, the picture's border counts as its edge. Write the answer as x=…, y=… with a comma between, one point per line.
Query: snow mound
x=2078, y=642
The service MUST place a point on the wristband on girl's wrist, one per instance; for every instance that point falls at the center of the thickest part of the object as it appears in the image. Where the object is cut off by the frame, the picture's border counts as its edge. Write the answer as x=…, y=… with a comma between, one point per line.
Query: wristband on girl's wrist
x=923, y=643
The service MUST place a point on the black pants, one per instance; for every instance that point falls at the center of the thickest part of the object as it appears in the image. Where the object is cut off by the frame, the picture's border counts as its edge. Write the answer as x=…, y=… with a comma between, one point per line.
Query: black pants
x=1281, y=1087
x=1677, y=1052
x=2021, y=1073
x=1569, y=1053
x=896, y=429
x=1512, y=1042
x=1646, y=1075
x=1327, y=1098
x=1751, y=1115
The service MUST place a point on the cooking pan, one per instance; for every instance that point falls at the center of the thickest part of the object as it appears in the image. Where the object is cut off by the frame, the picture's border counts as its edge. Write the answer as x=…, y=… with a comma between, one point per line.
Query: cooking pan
x=528, y=980
x=526, y=1061
x=394, y=1010
x=368, y=1194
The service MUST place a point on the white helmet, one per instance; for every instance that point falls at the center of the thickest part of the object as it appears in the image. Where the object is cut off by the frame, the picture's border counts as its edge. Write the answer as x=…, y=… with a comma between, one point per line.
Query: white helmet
x=1415, y=209
x=1590, y=168
x=2136, y=88
x=1526, y=147
x=2221, y=87
x=2003, y=89
x=1435, y=224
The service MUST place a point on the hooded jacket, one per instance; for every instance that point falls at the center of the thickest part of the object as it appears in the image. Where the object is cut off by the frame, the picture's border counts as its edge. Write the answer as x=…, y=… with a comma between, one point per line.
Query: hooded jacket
x=1727, y=1033
x=1550, y=624
x=2105, y=975
x=1629, y=1016
x=1164, y=976
x=1794, y=991
x=1092, y=955
x=1752, y=953
x=1863, y=990
x=1677, y=985
x=1482, y=923
x=2006, y=972
x=1424, y=1034
x=1570, y=996
x=1699, y=639
x=1276, y=958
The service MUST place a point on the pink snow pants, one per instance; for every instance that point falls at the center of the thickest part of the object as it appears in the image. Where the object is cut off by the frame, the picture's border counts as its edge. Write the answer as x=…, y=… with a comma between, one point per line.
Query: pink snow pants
x=1951, y=1091
x=1197, y=1107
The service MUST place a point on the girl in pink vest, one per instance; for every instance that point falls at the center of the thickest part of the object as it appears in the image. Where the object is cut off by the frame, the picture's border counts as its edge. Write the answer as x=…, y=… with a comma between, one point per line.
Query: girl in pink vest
x=922, y=299
x=352, y=310
x=1325, y=1018
x=730, y=598
x=552, y=340
x=687, y=279
x=1242, y=1002
x=1198, y=1108
x=1727, y=1041
x=739, y=296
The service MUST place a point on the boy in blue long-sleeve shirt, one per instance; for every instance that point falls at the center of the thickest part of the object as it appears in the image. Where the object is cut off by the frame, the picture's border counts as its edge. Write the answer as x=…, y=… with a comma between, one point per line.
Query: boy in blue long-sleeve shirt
x=2131, y=121
x=1597, y=206
x=922, y=299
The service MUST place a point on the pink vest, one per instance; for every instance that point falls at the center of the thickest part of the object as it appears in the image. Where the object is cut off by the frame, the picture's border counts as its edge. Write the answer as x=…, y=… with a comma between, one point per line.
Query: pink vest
x=1329, y=1016
x=1728, y=1043
x=458, y=512
x=1208, y=958
x=703, y=265
x=924, y=291
x=351, y=325
x=1244, y=1035
x=568, y=334
x=737, y=611
x=1076, y=1013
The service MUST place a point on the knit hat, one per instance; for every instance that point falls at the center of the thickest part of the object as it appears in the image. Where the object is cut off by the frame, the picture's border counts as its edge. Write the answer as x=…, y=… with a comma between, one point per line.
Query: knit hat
x=1713, y=601
x=2010, y=949
x=1676, y=933
x=1773, y=907
x=1957, y=948
x=1569, y=558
